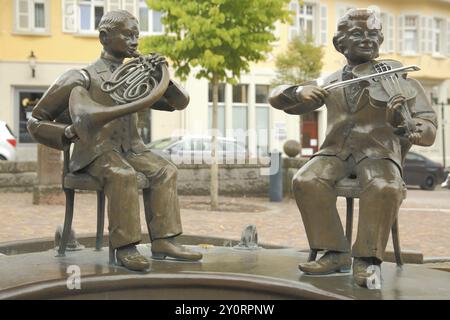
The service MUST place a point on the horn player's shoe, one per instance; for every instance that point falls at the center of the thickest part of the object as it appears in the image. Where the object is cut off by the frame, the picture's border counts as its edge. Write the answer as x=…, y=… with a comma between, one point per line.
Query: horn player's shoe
x=130, y=258
x=162, y=248
x=330, y=262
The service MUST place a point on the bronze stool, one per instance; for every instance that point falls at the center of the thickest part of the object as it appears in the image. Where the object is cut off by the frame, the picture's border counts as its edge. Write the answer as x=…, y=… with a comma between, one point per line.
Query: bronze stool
x=84, y=181
x=350, y=189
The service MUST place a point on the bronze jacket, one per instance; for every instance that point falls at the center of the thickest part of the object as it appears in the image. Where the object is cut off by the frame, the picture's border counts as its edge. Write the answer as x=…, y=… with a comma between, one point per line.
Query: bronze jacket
x=51, y=115
x=360, y=130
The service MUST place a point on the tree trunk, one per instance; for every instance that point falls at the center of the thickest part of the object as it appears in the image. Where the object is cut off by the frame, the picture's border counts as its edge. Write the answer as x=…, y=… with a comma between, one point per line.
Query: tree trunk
x=214, y=165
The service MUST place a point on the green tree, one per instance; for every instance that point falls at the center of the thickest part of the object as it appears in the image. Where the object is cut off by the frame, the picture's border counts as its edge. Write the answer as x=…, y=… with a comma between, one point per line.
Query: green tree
x=219, y=38
x=302, y=61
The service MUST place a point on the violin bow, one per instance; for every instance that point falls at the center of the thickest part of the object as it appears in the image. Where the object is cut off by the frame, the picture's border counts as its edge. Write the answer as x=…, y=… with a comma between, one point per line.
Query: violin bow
x=345, y=83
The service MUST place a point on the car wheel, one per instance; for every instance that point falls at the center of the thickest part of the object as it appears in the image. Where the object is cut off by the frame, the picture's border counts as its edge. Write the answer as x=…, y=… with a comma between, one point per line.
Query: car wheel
x=2, y=157
x=429, y=183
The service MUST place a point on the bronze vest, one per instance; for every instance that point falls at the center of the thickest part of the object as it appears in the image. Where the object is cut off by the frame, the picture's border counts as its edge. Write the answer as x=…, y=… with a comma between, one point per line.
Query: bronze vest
x=120, y=134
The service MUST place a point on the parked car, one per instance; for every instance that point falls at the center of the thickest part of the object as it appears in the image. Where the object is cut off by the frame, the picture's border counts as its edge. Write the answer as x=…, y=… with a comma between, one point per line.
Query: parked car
x=7, y=143
x=421, y=171
x=197, y=149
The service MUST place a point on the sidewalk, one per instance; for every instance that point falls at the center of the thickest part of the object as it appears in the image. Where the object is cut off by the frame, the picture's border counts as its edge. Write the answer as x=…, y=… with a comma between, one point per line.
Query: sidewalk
x=424, y=219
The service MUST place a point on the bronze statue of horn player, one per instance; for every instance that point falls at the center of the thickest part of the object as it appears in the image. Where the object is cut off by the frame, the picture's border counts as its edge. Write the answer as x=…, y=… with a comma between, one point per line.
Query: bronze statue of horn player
x=95, y=108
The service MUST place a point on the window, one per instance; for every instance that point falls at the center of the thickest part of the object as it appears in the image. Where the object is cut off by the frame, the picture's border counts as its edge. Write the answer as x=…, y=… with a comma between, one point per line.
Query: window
x=220, y=110
x=149, y=20
x=303, y=24
x=410, y=34
x=31, y=16
x=421, y=34
x=26, y=99
x=309, y=20
x=262, y=119
x=90, y=13
x=414, y=157
x=438, y=36
x=240, y=112
x=84, y=15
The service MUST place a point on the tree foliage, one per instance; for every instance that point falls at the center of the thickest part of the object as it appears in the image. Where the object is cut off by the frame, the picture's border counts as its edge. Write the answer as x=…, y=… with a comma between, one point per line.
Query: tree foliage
x=302, y=61
x=219, y=38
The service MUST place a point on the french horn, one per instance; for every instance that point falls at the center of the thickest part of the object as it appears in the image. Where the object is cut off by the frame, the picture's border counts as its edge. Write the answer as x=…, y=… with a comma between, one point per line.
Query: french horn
x=132, y=86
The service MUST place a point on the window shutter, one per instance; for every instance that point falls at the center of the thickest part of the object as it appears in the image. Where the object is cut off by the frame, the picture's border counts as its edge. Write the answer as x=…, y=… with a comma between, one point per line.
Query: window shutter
x=400, y=30
x=448, y=37
x=390, y=33
x=430, y=35
x=112, y=5
x=323, y=25
x=423, y=27
x=69, y=15
x=22, y=15
x=341, y=12
x=130, y=6
x=293, y=28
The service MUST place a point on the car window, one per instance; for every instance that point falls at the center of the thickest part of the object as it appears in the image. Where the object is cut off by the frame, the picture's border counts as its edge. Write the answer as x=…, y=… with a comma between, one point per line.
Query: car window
x=206, y=145
x=414, y=157
x=240, y=147
x=201, y=145
x=188, y=145
x=177, y=147
x=162, y=143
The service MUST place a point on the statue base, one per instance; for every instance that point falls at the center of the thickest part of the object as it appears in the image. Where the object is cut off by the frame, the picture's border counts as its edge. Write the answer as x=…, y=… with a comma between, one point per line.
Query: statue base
x=224, y=273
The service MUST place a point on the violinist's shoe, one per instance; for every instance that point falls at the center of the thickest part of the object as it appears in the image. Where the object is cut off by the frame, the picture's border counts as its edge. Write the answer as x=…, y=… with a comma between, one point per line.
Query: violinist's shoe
x=330, y=262
x=162, y=248
x=130, y=258
x=365, y=272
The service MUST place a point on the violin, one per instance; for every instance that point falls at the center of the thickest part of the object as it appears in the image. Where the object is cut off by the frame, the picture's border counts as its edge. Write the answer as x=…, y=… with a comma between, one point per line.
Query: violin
x=386, y=82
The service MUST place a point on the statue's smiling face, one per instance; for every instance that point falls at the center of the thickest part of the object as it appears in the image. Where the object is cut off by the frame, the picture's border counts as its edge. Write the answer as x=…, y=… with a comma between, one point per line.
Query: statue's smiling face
x=123, y=40
x=362, y=42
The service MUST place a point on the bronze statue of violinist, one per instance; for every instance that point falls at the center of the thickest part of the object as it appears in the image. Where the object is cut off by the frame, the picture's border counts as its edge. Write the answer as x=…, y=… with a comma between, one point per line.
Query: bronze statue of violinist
x=106, y=140
x=371, y=126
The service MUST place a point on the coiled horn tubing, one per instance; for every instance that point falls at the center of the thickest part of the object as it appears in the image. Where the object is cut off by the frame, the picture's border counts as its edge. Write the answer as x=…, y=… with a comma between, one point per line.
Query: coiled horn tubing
x=132, y=80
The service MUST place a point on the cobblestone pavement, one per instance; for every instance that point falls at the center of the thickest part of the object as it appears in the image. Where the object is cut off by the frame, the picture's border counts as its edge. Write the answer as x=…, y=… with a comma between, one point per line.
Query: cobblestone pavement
x=424, y=219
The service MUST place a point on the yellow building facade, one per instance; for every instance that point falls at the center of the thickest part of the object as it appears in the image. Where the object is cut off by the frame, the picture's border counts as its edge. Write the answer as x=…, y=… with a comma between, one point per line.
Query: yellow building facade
x=52, y=36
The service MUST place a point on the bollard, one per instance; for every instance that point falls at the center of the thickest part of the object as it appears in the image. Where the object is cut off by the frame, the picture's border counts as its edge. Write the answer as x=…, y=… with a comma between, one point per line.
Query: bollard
x=276, y=177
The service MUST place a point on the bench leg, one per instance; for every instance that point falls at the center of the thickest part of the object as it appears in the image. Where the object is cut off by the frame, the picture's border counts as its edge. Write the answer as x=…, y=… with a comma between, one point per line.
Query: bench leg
x=112, y=254
x=396, y=243
x=100, y=220
x=70, y=195
x=349, y=220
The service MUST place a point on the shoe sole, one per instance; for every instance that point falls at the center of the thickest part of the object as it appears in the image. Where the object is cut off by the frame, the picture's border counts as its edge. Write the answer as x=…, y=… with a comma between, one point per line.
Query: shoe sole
x=158, y=256
x=340, y=270
x=161, y=256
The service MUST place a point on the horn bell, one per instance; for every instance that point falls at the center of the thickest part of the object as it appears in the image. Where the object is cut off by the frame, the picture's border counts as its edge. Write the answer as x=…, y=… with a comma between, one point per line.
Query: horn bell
x=89, y=116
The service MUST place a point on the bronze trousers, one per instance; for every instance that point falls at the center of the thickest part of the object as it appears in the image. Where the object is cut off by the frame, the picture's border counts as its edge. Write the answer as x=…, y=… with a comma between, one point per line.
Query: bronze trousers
x=117, y=171
x=380, y=199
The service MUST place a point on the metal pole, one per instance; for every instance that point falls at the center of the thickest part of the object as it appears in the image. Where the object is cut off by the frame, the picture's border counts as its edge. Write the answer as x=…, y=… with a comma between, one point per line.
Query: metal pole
x=276, y=177
x=443, y=132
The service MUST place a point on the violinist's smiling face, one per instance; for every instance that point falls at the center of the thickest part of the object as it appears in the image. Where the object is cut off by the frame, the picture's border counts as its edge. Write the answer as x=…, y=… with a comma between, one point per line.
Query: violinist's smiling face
x=362, y=42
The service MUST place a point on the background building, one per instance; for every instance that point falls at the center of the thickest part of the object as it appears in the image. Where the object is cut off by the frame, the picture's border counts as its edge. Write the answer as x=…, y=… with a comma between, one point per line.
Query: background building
x=40, y=39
